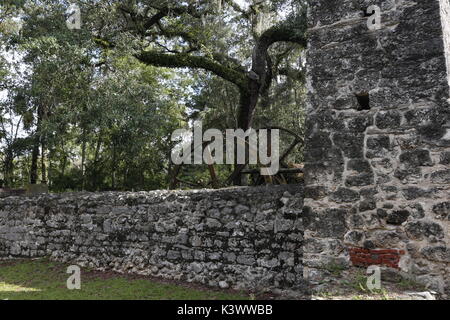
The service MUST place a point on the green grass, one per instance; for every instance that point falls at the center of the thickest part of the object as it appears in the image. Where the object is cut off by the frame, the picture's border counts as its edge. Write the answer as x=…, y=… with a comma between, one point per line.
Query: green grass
x=45, y=280
x=335, y=269
x=359, y=283
x=411, y=284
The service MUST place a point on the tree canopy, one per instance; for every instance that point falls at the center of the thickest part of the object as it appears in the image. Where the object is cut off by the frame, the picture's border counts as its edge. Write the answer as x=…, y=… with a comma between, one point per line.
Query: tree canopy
x=94, y=109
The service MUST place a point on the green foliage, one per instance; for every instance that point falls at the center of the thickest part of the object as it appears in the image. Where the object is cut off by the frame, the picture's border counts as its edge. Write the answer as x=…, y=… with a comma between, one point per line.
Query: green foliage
x=411, y=285
x=358, y=282
x=100, y=121
x=82, y=113
x=335, y=269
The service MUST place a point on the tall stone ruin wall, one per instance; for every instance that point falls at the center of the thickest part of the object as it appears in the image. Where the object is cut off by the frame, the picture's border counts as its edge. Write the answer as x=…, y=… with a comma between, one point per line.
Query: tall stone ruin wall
x=244, y=238
x=378, y=139
x=445, y=17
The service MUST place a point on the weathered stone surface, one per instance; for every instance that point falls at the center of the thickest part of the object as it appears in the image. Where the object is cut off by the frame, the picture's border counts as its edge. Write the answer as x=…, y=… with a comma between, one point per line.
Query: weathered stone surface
x=350, y=144
x=441, y=177
x=409, y=175
x=354, y=238
x=382, y=99
x=378, y=146
x=359, y=180
x=386, y=239
x=438, y=253
x=332, y=223
x=442, y=210
x=397, y=217
x=345, y=195
x=360, y=124
x=419, y=229
x=412, y=193
x=417, y=211
x=445, y=158
x=367, y=205
x=364, y=174
x=360, y=166
x=316, y=192
x=388, y=119
x=416, y=158
x=418, y=117
x=432, y=132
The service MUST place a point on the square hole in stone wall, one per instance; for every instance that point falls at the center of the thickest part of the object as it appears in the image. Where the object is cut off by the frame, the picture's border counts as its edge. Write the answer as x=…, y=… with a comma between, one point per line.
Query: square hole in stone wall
x=366, y=12
x=363, y=99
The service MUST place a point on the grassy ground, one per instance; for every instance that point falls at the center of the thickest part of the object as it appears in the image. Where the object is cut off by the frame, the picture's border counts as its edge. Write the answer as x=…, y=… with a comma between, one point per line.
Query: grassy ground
x=353, y=286
x=42, y=279
x=45, y=280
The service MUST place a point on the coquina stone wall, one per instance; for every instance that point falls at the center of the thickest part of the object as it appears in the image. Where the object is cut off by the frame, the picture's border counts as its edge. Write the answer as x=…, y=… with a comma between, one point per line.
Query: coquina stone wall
x=245, y=238
x=378, y=139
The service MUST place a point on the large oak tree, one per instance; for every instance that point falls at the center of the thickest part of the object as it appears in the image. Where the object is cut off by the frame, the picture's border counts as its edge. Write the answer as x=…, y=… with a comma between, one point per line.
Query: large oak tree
x=210, y=35
x=206, y=34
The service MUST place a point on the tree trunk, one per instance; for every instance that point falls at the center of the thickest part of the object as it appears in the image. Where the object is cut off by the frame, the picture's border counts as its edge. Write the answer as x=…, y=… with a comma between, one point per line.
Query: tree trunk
x=34, y=164
x=8, y=168
x=96, y=161
x=113, y=168
x=43, y=167
x=83, y=160
x=247, y=106
x=35, y=152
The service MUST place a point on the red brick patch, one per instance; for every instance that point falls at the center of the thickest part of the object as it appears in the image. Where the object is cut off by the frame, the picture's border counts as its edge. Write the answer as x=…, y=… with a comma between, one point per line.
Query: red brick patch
x=368, y=257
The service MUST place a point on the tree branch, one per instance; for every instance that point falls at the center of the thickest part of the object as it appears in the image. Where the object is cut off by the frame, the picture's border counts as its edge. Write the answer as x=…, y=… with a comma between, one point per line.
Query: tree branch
x=291, y=30
x=155, y=19
x=237, y=8
x=183, y=60
x=292, y=73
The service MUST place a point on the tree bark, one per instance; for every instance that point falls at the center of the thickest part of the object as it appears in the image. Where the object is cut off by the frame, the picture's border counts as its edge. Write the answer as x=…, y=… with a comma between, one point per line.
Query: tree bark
x=43, y=166
x=83, y=160
x=34, y=164
x=35, y=152
x=96, y=161
x=113, y=168
x=8, y=168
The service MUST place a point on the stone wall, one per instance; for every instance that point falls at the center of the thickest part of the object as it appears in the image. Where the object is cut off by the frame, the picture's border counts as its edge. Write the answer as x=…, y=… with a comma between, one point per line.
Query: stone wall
x=245, y=238
x=378, y=140
x=445, y=17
